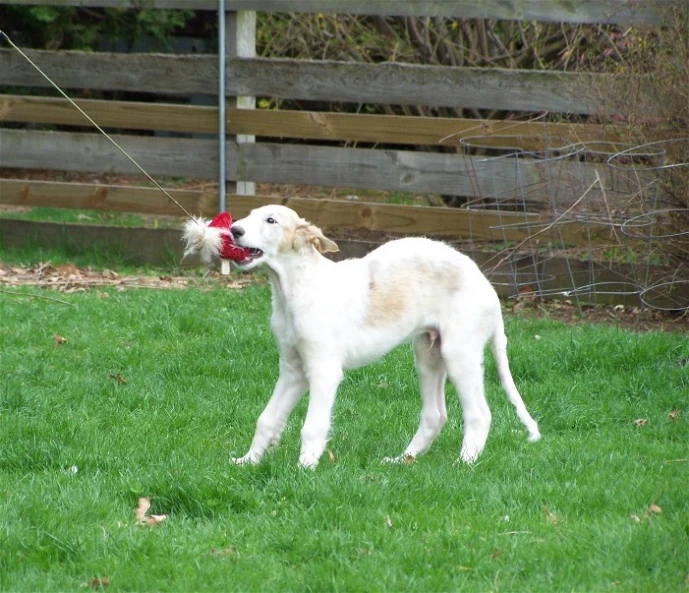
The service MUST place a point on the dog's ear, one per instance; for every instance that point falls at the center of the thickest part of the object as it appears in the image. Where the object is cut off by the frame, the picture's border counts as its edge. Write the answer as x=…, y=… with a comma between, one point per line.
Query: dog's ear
x=308, y=234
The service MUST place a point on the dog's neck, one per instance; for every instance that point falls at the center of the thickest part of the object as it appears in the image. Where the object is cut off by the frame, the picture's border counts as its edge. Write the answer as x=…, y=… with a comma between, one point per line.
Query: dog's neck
x=287, y=275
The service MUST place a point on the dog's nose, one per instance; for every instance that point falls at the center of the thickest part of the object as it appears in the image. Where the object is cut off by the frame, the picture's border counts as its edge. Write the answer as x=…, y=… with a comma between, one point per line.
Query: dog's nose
x=236, y=231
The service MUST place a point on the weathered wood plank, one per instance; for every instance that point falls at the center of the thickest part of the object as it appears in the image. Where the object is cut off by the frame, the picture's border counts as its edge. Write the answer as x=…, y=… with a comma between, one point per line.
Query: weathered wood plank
x=64, y=151
x=505, y=178
x=415, y=131
x=166, y=4
x=154, y=73
x=118, y=198
x=405, y=171
x=390, y=83
x=392, y=218
x=133, y=115
x=240, y=42
x=581, y=11
x=328, y=214
x=586, y=11
x=412, y=84
x=340, y=127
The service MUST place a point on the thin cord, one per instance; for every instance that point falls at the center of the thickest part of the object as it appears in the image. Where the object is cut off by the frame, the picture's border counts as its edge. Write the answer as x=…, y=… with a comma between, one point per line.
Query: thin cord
x=86, y=115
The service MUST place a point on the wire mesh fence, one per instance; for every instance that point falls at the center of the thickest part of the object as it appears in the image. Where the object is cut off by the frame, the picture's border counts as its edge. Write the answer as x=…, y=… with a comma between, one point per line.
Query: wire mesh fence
x=612, y=224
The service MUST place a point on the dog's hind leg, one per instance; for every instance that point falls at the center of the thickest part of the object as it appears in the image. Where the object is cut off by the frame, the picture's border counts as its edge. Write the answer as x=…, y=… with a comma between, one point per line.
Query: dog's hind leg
x=431, y=371
x=290, y=386
x=464, y=363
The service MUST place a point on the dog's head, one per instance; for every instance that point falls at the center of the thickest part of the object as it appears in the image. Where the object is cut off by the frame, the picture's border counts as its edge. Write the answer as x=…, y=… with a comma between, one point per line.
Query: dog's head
x=273, y=231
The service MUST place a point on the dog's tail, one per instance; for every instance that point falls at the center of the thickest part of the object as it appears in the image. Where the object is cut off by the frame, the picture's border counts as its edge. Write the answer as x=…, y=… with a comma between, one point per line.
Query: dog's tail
x=499, y=346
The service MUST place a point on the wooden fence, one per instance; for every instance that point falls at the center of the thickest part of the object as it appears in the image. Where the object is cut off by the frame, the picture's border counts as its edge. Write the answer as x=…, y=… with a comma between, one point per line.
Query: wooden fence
x=274, y=157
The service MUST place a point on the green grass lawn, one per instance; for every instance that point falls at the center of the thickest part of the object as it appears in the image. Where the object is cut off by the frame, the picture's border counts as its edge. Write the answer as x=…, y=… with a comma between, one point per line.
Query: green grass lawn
x=153, y=390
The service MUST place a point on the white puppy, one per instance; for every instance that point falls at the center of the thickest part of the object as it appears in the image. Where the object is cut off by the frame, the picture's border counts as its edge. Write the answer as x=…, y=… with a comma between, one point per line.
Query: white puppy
x=329, y=317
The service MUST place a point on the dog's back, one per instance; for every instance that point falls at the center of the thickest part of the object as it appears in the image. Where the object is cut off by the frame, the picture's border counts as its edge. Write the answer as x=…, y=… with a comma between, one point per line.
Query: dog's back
x=403, y=289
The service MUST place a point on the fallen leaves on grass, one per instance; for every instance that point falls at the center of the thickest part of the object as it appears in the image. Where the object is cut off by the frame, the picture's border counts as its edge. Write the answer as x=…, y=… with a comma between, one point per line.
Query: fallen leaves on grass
x=229, y=551
x=331, y=456
x=640, y=422
x=67, y=278
x=142, y=518
x=96, y=583
x=551, y=518
x=654, y=509
x=388, y=521
x=672, y=416
x=118, y=378
x=58, y=340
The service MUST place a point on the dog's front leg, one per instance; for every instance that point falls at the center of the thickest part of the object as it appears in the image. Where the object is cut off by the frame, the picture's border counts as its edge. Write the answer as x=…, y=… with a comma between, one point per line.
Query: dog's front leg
x=290, y=386
x=323, y=383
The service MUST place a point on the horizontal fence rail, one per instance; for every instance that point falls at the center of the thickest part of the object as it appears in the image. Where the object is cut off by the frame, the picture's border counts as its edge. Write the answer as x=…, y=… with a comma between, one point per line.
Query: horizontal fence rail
x=328, y=214
x=583, y=11
x=389, y=170
x=386, y=83
x=530, y=135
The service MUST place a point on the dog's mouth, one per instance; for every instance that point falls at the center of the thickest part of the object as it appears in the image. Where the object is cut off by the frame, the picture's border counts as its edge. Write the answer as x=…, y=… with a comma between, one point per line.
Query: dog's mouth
x=252, y=254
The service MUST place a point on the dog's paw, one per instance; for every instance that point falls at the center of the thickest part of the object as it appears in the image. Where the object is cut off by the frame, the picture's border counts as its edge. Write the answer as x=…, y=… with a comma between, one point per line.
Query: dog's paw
x=247, y=459
x=308, y=461
x=468, y=455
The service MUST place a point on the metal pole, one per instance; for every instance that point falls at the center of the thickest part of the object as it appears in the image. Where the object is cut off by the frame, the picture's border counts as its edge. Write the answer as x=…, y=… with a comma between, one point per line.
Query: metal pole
x=222, y=205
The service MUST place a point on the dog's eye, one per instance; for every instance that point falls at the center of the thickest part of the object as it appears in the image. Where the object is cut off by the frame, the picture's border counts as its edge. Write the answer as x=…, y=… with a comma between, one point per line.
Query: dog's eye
x=271, y=220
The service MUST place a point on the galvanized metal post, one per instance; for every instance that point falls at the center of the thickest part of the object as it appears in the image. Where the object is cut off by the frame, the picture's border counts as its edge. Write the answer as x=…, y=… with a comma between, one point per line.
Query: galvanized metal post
x=222, y=202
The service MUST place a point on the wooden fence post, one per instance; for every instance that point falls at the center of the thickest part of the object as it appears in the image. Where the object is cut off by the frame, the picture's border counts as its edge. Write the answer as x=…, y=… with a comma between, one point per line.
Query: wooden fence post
x=240, y=27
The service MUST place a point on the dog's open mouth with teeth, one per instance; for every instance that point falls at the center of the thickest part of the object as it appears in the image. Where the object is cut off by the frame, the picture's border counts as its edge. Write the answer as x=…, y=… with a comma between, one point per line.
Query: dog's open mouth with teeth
x=249, y=254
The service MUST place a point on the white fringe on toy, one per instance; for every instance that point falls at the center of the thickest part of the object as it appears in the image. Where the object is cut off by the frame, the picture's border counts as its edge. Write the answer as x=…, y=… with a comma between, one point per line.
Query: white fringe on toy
x=199, y=238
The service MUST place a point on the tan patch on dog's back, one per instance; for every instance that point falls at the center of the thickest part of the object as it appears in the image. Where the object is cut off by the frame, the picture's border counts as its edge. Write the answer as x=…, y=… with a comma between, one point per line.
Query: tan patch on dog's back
x=391, y=291
x=387, y=302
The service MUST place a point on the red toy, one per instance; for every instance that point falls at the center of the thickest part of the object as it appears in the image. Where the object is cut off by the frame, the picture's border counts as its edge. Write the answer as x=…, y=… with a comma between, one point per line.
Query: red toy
x=212, y=239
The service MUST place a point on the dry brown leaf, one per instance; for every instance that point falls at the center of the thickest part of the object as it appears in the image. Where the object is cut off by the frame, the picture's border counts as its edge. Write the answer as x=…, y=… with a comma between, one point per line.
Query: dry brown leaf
x=527, y=294
x=388, y=521
x=143, y=519
x=229, y=551
x=331, y=456
x=118, y=377
x=496, y=554
x=552, y=518
x=408, y=459
x=97, y=583
x=672, y=416
x=640, y=422
x=634, y=518
x=654, y=509
x=58, y=340
x=67, y=269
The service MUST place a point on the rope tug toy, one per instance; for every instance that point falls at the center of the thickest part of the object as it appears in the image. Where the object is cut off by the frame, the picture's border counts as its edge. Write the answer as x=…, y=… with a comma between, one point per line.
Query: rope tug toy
x=212, y=239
